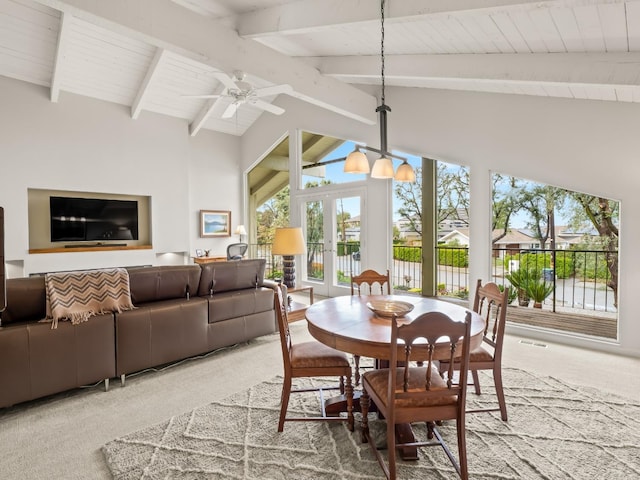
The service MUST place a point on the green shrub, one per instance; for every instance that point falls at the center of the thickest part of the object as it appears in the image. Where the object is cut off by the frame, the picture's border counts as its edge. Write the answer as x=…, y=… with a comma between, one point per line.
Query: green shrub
x=538, y=290
x=407, y=254
x=453, y=257
x=347, y=248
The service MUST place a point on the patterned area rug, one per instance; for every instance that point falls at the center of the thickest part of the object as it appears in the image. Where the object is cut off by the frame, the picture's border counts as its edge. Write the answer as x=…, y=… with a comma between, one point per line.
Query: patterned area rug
x=555, y=431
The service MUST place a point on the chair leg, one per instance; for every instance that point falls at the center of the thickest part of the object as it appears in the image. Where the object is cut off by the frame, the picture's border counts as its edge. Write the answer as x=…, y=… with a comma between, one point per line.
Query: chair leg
x=476, y=381
x=284, y=401
x=356, y=362
x=497, y=378
x=462, y=450
x=364, y=409
x=342, y=384
x=349, y=395
x=391, y=451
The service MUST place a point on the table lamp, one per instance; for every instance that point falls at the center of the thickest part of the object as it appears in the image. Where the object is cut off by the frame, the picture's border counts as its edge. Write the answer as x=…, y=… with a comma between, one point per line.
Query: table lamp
x=288, y=242
x=240, y=230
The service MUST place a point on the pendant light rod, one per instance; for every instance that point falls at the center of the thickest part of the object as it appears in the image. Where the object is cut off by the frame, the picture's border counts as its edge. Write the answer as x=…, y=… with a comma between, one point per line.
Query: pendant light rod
x=356, y=162
x=357, y=147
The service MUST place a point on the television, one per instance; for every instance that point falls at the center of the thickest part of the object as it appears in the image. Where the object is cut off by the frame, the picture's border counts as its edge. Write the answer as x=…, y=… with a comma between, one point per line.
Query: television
x=86, y=219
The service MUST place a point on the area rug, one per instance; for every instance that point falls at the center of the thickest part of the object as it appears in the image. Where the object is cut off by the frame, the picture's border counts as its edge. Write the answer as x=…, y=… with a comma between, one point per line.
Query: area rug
x=555, y=431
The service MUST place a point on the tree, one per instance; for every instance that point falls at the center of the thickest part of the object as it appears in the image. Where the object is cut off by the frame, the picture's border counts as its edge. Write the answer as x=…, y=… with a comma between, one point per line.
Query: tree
x=410, y=196
x=541, y=203
x=273, y=214
x=505, y=204
x=452, y=196
x=603, y=215
x=453, y=192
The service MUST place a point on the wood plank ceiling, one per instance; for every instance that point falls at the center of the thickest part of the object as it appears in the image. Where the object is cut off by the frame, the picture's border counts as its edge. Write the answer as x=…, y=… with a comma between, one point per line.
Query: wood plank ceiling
x=580, y=49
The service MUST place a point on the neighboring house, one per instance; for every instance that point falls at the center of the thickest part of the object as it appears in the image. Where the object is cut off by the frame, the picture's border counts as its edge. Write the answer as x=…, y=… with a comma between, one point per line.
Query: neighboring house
x=407, y=232
x=448, y=225
x=458, y=236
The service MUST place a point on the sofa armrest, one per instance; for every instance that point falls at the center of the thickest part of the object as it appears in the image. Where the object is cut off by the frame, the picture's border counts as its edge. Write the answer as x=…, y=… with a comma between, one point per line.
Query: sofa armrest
x=273, y=285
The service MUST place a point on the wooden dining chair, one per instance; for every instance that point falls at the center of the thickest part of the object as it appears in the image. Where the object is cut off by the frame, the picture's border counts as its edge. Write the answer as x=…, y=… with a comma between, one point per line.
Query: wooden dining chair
x=371, y=278
x=375, y=284
x=310, y=359
x=406, y=394
x=491, y=304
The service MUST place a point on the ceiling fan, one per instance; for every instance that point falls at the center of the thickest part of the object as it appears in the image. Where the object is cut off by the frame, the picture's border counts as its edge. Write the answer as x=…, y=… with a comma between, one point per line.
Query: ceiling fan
x=242, y=92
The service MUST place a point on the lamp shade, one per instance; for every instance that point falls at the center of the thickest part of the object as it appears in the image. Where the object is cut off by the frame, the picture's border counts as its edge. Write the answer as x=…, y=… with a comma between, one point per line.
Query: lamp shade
x=288, y=241
x=383, y=168
x=240, y=230
x=405, y=173
x=356, y=162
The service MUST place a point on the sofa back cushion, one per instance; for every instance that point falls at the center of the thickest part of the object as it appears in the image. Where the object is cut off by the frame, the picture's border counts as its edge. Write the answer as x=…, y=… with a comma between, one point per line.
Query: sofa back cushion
x=150, y=284
x=234, y=275
x=25, y=300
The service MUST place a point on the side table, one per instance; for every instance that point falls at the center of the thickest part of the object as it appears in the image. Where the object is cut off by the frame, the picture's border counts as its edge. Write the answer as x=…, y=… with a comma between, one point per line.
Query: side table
x=213, y=258
x=296, y=310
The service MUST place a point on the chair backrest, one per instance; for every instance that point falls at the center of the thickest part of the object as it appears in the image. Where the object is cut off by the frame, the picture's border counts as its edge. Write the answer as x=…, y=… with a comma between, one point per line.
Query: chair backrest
x=283, y=327
x=371, y=278
x=236, y=251
x=491, y=304
x=443, y=336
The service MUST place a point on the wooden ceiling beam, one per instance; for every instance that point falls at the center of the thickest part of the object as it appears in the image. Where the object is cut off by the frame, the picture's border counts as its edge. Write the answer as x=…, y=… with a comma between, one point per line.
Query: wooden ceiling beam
x=61, y=55
x=608, y=69
x=306, y=16
x=152, y=73
x=177, y=29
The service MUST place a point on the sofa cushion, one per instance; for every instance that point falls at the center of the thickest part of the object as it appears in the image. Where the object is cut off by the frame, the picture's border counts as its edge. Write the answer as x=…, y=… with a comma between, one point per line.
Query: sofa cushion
x=159, y=333
x=150, y=284
x=240, y=303
x=25, y=300
x=235, y=275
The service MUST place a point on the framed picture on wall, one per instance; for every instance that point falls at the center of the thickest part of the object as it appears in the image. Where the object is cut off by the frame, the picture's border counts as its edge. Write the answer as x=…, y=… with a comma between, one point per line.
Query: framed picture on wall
x=215, y=223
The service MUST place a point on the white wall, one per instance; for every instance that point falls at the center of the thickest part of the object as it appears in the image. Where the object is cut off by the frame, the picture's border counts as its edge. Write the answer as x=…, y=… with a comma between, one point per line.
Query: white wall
x=88, y=145
x=587, y=146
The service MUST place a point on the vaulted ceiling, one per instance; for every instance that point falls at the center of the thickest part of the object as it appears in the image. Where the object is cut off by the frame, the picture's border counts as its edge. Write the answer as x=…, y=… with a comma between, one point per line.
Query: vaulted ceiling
x=154, y=55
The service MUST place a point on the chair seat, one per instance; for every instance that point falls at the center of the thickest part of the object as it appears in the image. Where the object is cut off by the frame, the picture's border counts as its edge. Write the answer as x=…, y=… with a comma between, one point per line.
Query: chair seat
x=378, y=381
x=317, y=355
x=480, y=355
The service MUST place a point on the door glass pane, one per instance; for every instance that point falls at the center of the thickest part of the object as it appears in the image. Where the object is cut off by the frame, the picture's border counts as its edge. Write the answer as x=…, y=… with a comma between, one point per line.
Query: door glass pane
x=347, y=238
x=315, y=240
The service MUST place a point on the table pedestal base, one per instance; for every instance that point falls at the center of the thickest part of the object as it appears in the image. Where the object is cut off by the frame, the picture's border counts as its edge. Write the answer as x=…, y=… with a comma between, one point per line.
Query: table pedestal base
x=404, y=433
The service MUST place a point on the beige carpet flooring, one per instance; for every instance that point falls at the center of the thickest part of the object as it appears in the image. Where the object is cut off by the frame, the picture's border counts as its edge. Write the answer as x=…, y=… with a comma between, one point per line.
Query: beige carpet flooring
x=555, y=431
x=60, y=437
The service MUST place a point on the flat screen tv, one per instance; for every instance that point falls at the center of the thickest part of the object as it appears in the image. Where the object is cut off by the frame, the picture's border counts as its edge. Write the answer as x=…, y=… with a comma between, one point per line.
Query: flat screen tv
x=85, y=219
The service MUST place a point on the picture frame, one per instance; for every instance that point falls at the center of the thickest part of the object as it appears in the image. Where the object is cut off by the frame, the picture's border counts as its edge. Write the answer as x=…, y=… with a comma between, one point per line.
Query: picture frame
x=199, y=252
x=215, y=223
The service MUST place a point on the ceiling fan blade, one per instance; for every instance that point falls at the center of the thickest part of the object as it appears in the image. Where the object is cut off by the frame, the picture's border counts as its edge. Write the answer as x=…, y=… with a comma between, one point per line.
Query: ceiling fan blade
x=230, y=110
x=268, y=107
x=225, y=80
x=274, y=90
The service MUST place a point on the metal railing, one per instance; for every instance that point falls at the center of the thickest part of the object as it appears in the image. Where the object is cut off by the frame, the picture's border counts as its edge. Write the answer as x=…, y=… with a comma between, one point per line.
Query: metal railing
x=581, y=278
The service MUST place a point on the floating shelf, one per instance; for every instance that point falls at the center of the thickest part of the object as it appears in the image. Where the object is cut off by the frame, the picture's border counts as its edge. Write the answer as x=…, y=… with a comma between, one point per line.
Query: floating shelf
x=88, y=248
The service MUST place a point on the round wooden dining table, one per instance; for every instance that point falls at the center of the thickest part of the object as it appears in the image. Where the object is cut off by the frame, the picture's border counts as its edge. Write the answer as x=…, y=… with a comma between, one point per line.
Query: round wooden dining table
x=347, y=324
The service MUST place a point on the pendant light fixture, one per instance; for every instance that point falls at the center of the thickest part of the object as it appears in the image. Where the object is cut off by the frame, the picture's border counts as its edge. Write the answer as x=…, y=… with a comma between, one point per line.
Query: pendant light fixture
x=356, y=161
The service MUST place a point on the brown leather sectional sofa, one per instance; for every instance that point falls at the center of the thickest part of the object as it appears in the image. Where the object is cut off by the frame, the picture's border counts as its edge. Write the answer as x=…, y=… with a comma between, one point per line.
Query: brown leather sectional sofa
x=181, y=311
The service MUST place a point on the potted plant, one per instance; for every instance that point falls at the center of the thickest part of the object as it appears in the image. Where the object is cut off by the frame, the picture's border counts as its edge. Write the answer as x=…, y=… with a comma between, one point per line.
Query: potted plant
x=519, y=280
x=538, y=290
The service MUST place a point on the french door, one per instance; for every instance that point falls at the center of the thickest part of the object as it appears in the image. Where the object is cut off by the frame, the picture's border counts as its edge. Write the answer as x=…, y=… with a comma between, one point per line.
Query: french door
x=334, y=231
